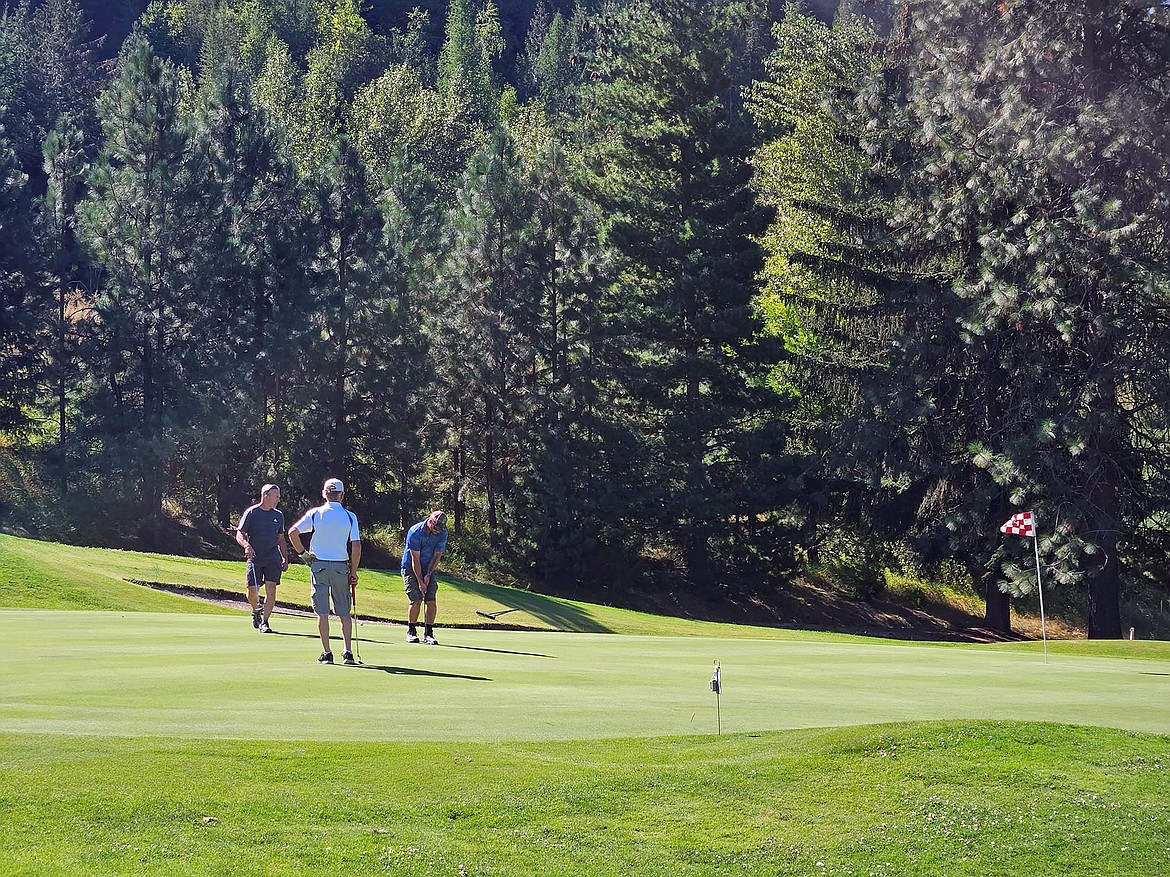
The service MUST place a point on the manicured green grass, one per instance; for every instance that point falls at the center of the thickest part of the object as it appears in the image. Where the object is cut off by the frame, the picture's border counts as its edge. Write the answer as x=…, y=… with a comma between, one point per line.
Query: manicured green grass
x=200, y=676
x=181, y=741
x=922, y=799
x=45, y=575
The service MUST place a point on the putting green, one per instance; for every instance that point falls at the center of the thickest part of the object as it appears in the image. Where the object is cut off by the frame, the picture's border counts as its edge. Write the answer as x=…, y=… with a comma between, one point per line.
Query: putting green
x=202, y=676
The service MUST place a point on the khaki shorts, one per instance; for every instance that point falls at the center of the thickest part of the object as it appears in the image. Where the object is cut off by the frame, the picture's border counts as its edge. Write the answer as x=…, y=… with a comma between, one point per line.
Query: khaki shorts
x=331, y=579
x=414, y=591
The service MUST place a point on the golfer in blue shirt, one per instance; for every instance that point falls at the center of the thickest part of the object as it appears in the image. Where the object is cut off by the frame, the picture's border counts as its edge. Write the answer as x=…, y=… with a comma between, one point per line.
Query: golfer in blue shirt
x=425, y=543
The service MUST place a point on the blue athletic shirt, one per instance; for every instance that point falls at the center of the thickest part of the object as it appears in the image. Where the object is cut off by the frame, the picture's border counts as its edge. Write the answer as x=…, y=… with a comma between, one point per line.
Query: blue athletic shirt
x=418, y=539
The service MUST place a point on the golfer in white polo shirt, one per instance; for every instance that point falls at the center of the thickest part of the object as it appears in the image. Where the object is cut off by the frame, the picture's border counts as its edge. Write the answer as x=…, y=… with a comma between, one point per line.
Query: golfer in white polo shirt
x=333, y=560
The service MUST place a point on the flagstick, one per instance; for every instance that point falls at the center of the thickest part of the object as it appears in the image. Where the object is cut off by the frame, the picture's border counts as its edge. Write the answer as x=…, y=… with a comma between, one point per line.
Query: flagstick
x=1039, y=586
x=717, y=687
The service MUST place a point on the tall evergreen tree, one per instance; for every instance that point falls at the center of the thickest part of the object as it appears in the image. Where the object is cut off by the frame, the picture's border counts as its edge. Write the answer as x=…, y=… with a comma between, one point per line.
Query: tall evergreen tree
x=336, y=386
x=672, y=169
x=146, y=220
x=19, y=362
x=256, y=320
x=413, y=243
x=471, y=43
x=570, y=454
x=1023, y=146
x=488, y=286
x=65, y=166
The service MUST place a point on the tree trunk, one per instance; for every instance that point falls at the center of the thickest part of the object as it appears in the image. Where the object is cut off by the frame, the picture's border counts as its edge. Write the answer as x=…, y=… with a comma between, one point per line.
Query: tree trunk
x=1105, y=575
x=489, y=449
x=998, y=613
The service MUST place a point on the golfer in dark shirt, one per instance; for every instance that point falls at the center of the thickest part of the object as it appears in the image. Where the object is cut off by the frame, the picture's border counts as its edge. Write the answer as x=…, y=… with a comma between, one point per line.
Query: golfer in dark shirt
x=261, y=534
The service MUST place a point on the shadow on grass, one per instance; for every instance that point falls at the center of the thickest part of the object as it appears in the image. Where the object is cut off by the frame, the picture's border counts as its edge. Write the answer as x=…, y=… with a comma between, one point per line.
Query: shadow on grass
x=494, y=651
x=410, y=671
x=559, y=614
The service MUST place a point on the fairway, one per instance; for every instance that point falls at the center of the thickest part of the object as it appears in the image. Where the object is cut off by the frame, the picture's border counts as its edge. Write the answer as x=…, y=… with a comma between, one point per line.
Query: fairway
x=203, y=676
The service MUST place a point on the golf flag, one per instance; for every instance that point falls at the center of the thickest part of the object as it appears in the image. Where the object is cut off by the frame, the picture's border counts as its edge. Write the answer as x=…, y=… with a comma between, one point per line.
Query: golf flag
x=1019, y=524
x=1024, y=524
x=716, y=683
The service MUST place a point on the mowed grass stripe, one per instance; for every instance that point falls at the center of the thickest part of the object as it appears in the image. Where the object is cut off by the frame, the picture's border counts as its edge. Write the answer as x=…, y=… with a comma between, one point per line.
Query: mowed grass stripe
x=921, y=799
x=202, y=676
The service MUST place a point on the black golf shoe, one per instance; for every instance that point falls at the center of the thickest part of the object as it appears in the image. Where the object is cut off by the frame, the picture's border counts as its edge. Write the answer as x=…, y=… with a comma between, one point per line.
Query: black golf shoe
x=326, y=658
x=347, y=658
x=264, y=627
x=257, y=617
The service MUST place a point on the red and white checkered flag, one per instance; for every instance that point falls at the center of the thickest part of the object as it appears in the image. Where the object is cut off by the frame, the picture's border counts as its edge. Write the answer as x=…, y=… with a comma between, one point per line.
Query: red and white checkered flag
x=1019, y=524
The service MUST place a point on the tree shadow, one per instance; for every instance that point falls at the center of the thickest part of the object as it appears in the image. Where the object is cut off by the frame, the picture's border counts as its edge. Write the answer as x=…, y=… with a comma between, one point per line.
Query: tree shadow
x=551, y=610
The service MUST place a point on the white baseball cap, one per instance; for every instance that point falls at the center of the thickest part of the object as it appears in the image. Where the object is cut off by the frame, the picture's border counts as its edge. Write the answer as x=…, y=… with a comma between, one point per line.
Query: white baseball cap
x=334, y=485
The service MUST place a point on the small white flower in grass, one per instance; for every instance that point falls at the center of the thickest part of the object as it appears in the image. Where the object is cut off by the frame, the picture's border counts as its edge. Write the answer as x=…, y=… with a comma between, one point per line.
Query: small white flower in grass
x=209, y=820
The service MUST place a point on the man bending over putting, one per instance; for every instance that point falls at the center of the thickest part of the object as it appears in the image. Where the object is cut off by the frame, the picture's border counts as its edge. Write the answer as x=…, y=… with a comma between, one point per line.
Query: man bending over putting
x=261, y=534
x=425, y=543
x=333, y=561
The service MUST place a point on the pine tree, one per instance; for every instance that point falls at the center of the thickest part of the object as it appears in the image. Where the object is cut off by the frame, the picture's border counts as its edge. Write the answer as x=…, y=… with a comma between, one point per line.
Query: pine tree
x=19, y=362
x=488, y=287
x=65, y=166
x=553, y=68
x=147, y=221
x=471, y=42
x=257, y=318
x=413, y=231
x=671, y=168
x=570, y=454
x=1023, y=146
x=337, y=386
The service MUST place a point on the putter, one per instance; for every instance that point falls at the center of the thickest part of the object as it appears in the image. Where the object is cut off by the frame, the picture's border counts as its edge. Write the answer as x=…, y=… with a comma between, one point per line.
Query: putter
x=357, y=637
x=494, y=615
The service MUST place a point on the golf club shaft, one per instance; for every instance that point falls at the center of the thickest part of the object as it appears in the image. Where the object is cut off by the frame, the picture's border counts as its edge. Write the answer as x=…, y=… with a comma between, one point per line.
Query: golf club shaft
x=353, y=622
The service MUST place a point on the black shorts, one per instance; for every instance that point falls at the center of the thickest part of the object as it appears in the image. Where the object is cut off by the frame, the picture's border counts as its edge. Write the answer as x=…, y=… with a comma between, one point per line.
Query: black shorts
x=264, y=570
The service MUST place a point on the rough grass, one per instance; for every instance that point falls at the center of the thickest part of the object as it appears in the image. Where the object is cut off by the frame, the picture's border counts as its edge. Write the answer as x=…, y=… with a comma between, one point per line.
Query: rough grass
x=922, y=799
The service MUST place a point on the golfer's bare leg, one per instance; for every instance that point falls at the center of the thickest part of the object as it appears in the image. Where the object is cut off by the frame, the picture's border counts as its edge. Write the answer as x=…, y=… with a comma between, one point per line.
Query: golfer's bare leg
x=432, y=608
x=412, y=613
x=346, y=629
x=253, y=594
x=323, y=629
x=269, y=599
